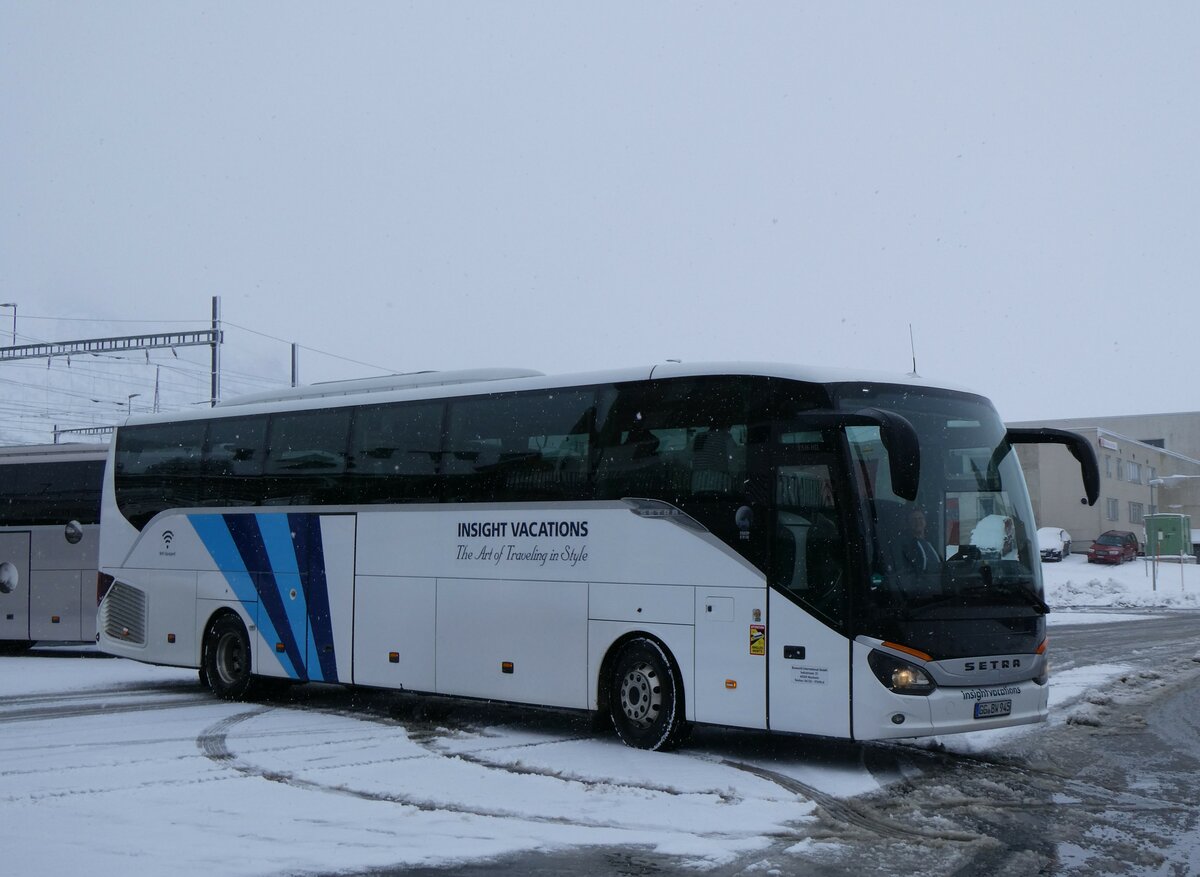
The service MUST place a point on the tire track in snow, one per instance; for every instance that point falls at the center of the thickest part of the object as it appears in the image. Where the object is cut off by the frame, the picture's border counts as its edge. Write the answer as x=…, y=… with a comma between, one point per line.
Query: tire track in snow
x=213, y=743
x=20, y=700
x=850, y=812
x=1040, y=776
x=725, y=797
x=97, y=706
x=426, y=733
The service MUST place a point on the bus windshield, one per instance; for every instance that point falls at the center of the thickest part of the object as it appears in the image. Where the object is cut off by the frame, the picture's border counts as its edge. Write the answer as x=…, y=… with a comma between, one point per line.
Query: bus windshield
x=964, y=548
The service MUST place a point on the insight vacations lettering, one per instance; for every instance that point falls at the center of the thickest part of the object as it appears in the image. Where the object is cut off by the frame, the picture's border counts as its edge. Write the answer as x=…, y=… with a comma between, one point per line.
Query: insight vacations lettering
x=522, y=529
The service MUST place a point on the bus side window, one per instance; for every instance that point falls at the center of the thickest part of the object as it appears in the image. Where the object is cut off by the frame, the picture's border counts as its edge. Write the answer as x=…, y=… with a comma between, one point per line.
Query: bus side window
x=632, y=466
x=306, y=454
x=159, y=467
x=523, y=446
x=394, y=453
x=680, y=440
x=51, y=493
x=716, y=461
x=809, y=556
x=233, y=459
x=474, y=444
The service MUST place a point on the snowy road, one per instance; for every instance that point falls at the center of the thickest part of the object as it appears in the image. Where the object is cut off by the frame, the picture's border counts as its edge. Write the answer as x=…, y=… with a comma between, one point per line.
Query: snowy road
x=110, y=767
x=1107, y=787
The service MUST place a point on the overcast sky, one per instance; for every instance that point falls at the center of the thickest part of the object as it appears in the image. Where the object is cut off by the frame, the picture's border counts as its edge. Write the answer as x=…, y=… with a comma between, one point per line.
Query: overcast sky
x=569, y=187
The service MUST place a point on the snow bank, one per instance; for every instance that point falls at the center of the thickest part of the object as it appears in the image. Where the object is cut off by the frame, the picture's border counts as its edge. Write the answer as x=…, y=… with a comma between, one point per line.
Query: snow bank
x=1075, y=583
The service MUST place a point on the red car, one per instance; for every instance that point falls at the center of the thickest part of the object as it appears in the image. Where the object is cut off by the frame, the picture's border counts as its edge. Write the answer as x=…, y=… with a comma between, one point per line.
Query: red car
x=1113, y=546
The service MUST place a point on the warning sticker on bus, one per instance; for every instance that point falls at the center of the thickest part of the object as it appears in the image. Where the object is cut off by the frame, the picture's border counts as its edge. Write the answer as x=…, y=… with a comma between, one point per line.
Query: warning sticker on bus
x=758, y=639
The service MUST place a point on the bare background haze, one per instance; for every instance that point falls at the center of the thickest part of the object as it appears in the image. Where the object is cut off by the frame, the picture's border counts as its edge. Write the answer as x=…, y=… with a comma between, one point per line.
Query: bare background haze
x=569, y=187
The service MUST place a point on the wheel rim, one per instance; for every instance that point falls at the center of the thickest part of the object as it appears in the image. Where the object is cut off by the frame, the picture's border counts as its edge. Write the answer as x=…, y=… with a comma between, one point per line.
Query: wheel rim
x=231, y=658
x=641, y=695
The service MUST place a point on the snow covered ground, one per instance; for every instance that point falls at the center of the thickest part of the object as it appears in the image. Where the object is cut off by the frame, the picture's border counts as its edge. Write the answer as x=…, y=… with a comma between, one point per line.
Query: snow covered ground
x=1075, y=584
x=112, y=767
x=109, y=767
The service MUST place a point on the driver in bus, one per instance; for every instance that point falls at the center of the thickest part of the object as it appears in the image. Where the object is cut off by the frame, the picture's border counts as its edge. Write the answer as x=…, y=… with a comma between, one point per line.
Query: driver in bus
x=917, y=553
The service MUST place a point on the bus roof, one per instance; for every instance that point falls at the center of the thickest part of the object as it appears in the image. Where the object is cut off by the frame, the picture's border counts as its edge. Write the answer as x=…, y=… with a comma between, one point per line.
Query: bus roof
x=64, y=453
x=436, y=385
x=388, y=383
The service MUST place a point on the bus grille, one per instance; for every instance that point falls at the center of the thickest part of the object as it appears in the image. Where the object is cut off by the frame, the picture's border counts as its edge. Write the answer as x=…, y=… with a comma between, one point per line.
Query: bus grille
x=125, y=614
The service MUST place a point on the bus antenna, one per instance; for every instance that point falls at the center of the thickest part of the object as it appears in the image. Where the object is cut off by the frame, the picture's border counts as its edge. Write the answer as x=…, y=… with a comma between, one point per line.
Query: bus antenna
x=912, y=346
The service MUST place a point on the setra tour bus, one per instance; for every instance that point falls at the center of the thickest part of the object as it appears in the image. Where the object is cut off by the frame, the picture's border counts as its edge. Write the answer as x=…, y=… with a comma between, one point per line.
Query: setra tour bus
x=49, y=542
x=676, y=544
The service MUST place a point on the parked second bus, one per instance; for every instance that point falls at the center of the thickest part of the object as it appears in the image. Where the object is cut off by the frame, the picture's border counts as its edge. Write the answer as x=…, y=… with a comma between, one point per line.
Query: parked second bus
x=49, y=542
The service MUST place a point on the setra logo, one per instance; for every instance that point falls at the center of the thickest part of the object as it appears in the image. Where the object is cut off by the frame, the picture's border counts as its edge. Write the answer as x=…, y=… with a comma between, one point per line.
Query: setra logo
x=983, y=666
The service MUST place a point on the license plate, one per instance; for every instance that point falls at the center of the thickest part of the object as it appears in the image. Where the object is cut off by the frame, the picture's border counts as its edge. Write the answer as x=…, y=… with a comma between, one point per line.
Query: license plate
x=989, y=709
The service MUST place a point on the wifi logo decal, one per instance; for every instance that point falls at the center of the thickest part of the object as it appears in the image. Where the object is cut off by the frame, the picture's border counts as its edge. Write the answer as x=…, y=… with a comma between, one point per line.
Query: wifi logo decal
x=168, y=537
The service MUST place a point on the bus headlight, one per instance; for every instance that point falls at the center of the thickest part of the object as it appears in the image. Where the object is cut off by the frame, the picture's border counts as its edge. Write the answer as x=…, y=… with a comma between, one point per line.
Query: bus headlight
x=899, y=675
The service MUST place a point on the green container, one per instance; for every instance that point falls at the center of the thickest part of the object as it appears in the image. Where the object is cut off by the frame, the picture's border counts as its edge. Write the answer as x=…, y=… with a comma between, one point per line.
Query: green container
x=1168, y=535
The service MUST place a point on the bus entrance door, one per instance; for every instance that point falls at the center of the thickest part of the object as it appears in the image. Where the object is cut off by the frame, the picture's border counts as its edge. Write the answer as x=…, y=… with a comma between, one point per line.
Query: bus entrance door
x=809, y=668
x=14, y=586
x=809, y=659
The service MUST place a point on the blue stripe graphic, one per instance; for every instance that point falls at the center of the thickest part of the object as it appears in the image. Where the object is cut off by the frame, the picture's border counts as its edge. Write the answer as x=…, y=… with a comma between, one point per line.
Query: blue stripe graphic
x=264, y=557
x=215, y=536
x=286, y=577
x=214, y=533
x=306, y=536
x=250, y=545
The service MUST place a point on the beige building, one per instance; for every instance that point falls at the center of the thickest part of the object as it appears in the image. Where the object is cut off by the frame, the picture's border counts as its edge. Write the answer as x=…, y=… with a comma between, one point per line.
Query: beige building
x=1133, y=452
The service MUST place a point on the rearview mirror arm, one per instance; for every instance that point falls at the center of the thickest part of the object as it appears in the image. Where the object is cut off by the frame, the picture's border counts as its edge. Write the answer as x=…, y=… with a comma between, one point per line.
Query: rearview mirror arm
x=1081, y=449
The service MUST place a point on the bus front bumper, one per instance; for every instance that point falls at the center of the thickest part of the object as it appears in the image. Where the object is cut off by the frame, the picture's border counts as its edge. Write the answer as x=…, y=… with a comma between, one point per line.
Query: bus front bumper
x=880, y=714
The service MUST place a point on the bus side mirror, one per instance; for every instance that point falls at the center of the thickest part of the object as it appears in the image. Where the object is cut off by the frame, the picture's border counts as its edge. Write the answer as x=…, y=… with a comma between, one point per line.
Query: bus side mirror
x=896, y=433
x=903, y=447
x=1081, y=449
x=744, y=518
x=9, y=577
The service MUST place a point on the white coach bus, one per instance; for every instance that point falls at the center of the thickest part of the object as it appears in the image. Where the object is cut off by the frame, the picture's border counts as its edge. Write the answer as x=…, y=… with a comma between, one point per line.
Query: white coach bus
x=726, y=544
x=49, y=542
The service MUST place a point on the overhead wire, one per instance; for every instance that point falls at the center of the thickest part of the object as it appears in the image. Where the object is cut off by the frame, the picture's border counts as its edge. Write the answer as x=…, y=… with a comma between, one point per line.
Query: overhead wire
x=311, y=349
x=179, y=382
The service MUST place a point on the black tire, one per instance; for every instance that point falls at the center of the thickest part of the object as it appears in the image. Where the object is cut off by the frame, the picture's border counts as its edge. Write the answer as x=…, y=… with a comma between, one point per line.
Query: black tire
x=15, y=647
x=645, y=697
x=226, y=659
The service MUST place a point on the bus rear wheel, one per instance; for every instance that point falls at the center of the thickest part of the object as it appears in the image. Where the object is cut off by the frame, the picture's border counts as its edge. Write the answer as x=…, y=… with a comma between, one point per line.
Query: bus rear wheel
x=644, y=697
x=226, y=658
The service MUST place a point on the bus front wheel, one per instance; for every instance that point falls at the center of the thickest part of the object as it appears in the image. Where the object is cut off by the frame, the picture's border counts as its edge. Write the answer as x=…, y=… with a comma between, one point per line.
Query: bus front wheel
x=644, y=697
x=226, y=662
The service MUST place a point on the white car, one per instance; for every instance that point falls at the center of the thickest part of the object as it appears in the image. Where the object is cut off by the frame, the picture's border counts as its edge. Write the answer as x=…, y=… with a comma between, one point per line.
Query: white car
x=995, y=537
x=1054, y=543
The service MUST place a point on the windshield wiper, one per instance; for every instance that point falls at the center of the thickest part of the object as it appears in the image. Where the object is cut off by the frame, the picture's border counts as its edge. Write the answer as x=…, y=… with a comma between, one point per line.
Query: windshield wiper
x=1030, y=595
x=1018, y=588
x=1017, y=584
x=969, y=594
